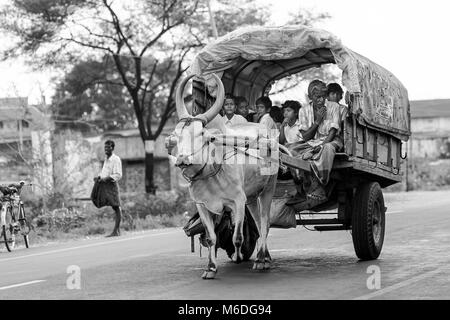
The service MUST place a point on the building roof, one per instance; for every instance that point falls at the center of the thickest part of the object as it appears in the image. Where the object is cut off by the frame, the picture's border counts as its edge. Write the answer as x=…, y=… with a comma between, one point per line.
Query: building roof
x=438, y=108
x=14, y=102
x=135, y=132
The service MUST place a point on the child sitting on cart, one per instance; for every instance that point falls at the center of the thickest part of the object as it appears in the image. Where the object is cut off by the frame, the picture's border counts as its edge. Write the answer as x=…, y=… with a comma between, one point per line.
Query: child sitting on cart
x=290, y=127
x=319, y=126
x=263, y=107
x=229, y=109
x=335, y=94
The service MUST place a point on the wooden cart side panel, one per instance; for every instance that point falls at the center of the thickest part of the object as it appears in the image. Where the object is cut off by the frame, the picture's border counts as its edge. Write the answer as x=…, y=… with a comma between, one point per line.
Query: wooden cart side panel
x=368, y=144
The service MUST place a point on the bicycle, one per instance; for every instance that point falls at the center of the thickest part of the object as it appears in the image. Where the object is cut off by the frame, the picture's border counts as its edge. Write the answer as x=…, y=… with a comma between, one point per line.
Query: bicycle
x=12, y=215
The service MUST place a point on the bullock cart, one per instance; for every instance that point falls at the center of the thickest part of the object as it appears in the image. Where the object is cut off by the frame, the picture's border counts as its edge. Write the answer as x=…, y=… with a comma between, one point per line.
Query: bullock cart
x=250, y=60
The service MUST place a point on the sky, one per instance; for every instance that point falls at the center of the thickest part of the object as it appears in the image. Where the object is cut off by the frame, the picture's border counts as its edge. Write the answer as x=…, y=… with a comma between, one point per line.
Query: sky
x=409, y=38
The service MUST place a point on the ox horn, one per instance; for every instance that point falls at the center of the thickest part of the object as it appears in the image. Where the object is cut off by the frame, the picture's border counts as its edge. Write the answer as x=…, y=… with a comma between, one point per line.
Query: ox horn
x=214, y=110
x=179, y=102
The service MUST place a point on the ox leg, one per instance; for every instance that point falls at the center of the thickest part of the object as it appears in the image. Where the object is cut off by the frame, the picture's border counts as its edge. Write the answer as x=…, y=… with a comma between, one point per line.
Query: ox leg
x=263, y=258
x=208, y=222
x=254, y=208
x=238, y=234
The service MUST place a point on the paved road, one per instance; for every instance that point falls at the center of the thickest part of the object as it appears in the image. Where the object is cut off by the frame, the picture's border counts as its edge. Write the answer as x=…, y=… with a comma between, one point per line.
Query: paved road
x=415, y=263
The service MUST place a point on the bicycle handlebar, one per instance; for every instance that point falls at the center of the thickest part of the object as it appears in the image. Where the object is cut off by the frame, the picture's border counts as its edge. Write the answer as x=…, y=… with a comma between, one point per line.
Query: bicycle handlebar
x=13, y=188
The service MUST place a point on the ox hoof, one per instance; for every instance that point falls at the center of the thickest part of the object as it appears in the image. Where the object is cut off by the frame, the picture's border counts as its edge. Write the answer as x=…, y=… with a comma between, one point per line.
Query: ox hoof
x=237, y=258
x=209, y=274
x=258, y=265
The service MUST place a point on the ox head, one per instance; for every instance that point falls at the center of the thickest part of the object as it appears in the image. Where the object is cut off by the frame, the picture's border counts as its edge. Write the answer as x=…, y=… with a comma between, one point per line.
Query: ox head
x=187, y=144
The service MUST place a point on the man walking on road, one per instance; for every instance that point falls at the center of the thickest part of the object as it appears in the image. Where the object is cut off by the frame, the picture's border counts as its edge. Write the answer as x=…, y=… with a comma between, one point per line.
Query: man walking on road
x=106, y=188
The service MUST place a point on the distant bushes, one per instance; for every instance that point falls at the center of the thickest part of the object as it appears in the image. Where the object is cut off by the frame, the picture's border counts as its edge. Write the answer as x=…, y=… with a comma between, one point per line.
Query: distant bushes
x=165, y=203
x=63, y=218
x=429, y=175
x=424, y=175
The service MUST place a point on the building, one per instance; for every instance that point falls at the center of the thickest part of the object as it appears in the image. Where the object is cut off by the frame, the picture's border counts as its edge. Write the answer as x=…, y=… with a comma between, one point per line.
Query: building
x=24, y=141
x=430, y=127
x=130, y=148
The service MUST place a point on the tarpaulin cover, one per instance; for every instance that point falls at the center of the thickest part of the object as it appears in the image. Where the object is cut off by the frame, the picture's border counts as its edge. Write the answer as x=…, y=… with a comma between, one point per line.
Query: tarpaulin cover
x=382, y=101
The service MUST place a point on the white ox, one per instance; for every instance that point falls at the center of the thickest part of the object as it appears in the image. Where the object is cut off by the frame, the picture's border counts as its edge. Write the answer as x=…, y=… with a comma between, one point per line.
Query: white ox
x=228, y=185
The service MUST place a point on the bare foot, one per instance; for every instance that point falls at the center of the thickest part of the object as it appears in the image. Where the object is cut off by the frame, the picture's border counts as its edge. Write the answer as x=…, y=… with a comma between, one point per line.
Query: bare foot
x=114, y=234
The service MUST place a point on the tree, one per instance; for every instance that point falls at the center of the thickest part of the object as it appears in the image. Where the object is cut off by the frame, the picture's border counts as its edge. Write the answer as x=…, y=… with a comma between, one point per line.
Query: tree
x=88, y=97
x=57, y=32
x=325, y=73
x=148, y=42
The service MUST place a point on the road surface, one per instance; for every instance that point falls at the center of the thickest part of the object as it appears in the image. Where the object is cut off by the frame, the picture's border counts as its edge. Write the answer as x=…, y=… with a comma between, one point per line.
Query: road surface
x=158, y=264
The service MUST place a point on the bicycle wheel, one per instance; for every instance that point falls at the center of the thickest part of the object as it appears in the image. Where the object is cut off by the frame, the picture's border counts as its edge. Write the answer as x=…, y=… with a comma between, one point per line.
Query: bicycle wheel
x=24, y=226
x=9, y=237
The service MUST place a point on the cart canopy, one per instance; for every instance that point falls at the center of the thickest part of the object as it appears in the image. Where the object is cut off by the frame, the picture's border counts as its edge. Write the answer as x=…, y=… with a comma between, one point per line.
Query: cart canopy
x=252, y=58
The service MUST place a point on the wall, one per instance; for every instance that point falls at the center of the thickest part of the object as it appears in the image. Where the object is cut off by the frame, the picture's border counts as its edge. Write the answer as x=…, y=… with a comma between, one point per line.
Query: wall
x=431, y=148
x=430, y=138
x=75, y=163
x=12, y=129
x=13, y=168
x=130, y=148
x=434, y=125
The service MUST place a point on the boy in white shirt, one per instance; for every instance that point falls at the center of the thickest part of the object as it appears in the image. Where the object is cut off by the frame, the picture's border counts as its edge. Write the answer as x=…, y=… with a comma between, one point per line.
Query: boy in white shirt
x=335, y=94
x=229, y=108
x=263, y=106
x=290, y=128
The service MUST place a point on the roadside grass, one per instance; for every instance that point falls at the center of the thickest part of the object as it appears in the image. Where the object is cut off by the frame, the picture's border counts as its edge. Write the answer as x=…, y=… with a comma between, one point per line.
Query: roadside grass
x=81, y=220
x=102, y=227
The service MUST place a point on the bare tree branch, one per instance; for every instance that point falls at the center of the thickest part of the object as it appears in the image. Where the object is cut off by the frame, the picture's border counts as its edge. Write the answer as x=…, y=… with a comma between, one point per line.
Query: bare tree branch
x=88, y=45
x=118, y=28
x=96, y=34
x=144, y=90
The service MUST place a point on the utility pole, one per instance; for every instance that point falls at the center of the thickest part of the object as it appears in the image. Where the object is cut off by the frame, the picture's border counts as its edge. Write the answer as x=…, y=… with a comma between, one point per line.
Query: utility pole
x=19, y=122
x=212, y=20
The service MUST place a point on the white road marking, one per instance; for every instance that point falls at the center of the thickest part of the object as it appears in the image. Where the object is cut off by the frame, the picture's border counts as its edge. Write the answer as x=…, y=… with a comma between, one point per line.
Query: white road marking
x=21, y=284
x=397, y=211
x=87, y=246
x=400, y=285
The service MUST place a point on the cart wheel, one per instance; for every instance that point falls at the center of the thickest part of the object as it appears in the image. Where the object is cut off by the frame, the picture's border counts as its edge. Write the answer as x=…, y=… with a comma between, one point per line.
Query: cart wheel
x=368, y=221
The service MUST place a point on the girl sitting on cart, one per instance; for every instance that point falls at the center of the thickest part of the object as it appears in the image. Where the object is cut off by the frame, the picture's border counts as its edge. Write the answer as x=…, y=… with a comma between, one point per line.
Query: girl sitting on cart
x=319, y=127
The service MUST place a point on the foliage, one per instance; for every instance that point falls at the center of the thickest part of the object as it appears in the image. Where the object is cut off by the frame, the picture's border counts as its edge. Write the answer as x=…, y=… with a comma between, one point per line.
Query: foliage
x=231, y=15
x=165, y=203
x=429, y=175
x=90, y=96
x=77, y=220
x=59, y=33
x=307, y=17
x=60, y=219
x=425, y=175
x=148, y=42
